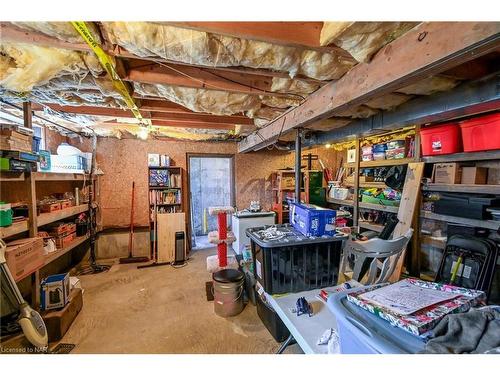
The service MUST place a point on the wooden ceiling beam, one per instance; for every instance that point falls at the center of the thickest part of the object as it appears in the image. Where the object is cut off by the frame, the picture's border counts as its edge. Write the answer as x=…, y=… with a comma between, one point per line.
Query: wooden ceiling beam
x=293, y=34
x=114, y=112
x=428, y=49
x=192, y=124
x=194, y=77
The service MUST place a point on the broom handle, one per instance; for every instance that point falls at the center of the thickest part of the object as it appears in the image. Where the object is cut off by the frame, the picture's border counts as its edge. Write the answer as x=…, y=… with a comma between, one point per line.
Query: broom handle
x=131, y=235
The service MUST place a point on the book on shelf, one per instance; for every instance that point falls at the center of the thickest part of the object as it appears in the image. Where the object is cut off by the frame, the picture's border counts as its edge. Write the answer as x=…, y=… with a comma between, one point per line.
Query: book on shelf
x=166, y=196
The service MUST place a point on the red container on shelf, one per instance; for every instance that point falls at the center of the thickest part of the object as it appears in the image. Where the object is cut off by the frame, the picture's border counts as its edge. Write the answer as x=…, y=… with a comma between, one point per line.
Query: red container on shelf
x=481, y=133
x=441, y=139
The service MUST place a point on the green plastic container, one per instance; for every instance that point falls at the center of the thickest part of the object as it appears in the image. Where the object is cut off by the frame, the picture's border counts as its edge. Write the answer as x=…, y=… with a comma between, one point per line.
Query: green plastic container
x=5, y=214
x=383, y=202
x=4, y=164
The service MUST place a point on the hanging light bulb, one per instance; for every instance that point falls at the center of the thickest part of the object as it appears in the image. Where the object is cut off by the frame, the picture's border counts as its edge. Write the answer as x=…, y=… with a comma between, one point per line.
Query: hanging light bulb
x=143, y=133
x=328, y=145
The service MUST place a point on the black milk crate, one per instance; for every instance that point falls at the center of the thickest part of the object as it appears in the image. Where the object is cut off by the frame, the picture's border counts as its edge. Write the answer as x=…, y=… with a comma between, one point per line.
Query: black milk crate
x=295, y=263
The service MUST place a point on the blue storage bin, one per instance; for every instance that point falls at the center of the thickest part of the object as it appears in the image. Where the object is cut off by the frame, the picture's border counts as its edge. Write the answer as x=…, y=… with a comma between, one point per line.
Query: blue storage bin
x=362, y=332
x=312, y=220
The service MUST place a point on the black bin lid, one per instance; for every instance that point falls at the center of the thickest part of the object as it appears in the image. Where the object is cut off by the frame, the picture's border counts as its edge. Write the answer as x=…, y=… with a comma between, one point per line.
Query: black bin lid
x=229, y=275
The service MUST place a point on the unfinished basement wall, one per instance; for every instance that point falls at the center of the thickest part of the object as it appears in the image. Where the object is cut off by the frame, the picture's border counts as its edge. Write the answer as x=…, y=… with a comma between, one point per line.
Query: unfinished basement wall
x=125, y=160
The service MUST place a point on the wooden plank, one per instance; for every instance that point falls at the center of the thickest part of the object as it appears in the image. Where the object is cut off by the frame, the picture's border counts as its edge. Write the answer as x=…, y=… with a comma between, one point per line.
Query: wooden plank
x=424, y=51
x=357, y=161
x=463, y=156
x=409, y=203
x=432, y=241
x=50, y=217
x=15, y=228
x=50, y=176
x=342, y=202
x=167, y=225
x=6, y=176
x=192, y=124
x=381, y=163
x=294, y=34
x=378, y=207
x=490, y=224
x=159, y=115
x=191, y=76
x=459, y=188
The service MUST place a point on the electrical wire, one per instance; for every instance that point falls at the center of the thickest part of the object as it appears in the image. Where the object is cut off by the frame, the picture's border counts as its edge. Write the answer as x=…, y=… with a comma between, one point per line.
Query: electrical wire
x=262, y=91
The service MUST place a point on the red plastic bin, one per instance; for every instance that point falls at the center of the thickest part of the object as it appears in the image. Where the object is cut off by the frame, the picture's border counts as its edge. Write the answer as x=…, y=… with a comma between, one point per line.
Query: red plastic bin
x=441, y=139
x=481, y=133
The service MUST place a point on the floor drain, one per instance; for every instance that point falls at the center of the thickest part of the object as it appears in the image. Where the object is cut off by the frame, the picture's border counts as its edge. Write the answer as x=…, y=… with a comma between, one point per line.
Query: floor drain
x=62, y=349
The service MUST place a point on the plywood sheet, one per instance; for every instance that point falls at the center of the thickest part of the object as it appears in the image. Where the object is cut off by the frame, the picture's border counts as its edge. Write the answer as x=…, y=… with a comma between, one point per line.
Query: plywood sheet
x=167, y=226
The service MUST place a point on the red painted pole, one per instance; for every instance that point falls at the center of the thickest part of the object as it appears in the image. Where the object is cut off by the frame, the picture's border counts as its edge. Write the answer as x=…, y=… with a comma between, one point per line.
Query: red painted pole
x=222, y=247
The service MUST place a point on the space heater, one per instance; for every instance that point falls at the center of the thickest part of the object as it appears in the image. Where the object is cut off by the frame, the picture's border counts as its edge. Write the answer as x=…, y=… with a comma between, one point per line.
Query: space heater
x=179, y=247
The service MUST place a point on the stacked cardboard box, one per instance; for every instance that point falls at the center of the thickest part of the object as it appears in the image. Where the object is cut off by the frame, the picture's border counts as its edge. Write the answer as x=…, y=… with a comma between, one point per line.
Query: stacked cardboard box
x=12, y=140
x=63, y=233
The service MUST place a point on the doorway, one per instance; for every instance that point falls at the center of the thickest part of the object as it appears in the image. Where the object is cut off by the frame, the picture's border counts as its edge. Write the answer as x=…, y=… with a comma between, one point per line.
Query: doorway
x=211, y=183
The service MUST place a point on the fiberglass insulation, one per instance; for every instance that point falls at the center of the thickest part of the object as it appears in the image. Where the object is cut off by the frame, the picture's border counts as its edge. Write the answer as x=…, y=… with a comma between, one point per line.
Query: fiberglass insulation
x=60, y=30
x=147, y=39
x=213, y=101
x=362, y=39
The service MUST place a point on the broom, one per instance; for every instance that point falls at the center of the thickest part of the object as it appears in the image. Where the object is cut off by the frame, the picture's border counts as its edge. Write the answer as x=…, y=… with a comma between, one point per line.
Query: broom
x=131, y=258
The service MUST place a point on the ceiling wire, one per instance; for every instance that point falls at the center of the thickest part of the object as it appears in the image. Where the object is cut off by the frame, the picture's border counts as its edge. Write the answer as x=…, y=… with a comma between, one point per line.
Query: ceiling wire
x=262, y=91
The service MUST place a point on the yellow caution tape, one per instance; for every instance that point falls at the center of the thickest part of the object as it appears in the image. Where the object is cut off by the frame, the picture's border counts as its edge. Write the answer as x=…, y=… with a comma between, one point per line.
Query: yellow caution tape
x=108, y=64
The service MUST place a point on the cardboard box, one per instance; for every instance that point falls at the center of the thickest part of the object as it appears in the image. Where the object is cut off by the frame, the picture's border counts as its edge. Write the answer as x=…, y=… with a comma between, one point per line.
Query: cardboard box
x=474, y=175
x=64, y=241
x=55, y=291
x=24, y=256
x=446, y=173
x=287, y=182
x=59, y=321
x=50, y=207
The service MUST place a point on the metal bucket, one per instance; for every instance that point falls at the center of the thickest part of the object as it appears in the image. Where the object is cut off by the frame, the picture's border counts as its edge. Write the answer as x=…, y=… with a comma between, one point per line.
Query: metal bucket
x=228, y=292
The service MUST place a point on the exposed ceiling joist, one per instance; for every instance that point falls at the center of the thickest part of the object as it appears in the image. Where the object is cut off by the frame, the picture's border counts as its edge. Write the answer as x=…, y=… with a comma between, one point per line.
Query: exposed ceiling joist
x=192, y=124
x=294, y=34
x=422, y=52
x=184, y=116
x=11, y=33
x=190, y=76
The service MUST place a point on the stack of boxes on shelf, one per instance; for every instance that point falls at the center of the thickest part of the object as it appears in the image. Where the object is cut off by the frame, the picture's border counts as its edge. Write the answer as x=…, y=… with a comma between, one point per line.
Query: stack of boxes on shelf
x=16, y=138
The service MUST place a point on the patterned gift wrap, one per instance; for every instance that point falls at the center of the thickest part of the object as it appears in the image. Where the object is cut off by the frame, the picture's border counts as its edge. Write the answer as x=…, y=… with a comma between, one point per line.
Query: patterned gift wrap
x=425, y=319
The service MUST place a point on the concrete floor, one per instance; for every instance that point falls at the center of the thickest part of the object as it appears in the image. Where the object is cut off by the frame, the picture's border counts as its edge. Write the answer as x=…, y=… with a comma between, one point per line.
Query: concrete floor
x=161, y=310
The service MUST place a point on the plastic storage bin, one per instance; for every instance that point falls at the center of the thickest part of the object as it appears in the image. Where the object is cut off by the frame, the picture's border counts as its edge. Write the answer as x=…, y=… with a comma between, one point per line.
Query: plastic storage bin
x=291, y=262
x=312, y=220
x=481, y=133
x=271, y=320
x=362, y=332
x=5, y=214
x=441, y=140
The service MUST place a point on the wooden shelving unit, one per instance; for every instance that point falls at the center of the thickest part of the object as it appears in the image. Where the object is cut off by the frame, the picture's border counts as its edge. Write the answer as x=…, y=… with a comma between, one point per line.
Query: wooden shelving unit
x=31, y=225
x=59, y=253
x=165, y=220
x=282, y=191
x=381, y=163
x=370, y=226
x=15, y=228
